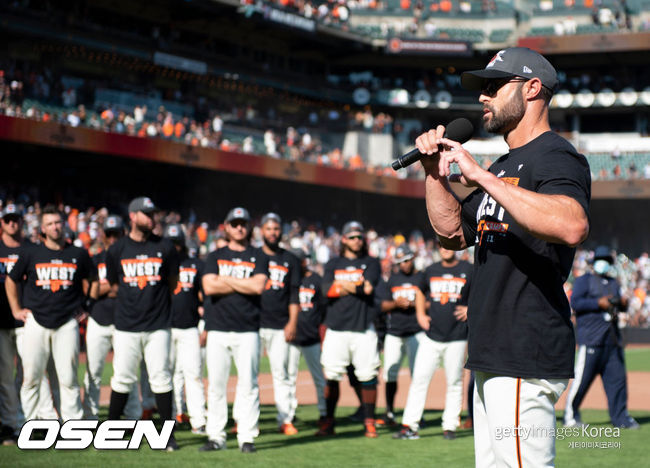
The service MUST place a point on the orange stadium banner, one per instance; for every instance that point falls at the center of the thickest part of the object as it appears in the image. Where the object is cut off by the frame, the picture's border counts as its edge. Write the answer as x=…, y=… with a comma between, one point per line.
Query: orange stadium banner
x=585, y=43
x=164, y=151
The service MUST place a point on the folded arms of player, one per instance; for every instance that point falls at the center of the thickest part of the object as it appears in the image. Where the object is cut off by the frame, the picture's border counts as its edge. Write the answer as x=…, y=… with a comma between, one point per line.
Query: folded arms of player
x=215, y=285
x=340, y=288
x=553, y=218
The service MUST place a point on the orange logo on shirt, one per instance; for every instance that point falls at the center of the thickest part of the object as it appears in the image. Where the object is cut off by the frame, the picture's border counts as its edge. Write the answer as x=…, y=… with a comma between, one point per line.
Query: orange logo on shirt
x=277, y=273
x=141, y=271
x=186, y=277
x=354, y=275
x=446, y=289
x=55, y=276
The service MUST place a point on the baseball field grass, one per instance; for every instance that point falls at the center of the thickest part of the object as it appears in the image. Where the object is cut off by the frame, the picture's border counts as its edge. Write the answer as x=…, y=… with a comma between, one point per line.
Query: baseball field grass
x=347, y=448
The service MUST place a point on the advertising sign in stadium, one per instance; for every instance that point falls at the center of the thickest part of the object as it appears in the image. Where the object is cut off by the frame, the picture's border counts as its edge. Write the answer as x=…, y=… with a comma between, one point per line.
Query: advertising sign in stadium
x=396, y=45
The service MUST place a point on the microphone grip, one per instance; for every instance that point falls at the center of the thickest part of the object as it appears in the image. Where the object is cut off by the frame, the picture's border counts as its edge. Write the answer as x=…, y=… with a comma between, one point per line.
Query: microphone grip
x=409, y=158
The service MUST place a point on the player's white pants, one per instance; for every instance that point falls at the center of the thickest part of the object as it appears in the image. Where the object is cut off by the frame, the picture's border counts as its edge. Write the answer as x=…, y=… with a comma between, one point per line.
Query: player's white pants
x=395, y=348
x=342, y=348
x=128, y=350
x=63, y=344
x=49, y=387
x=503, y=404
x=284, y=369
x=99, y=341
x=429, y=357
x=9, y=402
x=312, y=358
x=186, y=364
x=244, y=349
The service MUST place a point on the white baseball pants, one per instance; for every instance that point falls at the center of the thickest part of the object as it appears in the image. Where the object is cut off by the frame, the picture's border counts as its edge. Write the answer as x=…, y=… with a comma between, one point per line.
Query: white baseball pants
x=187, y=366
x=130, y=348
x=99, y=341
x=244, y=349
x=514, y=420
x=63, y=344
x=395, y=348
x=342, y=348
x=312, y=358
x=429, y=357
x=284, y=369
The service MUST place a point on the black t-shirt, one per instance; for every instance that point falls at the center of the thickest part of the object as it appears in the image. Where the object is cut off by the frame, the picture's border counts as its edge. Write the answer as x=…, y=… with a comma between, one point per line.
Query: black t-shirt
x=143, y=271
x=311, y=310
x=353, y=312
x=519, y=316
x=234, y=312
x=103, y=311
x=8, y=258
x=185, y=301
x=281, y=289
x=445, y=288
x=401, y=322
x=52, y=287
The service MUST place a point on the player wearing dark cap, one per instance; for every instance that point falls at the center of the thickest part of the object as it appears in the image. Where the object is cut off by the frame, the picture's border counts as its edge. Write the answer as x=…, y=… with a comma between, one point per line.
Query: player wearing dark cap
x=350, y=282
x=308, y=330
x=446, y=286
x=279, y=320
x=233, y=281
x=54, y=278
x=596, y=300
x=526, y=215
x=403, y=333
x=100, y=329
x=185, y=356
x=142, y=269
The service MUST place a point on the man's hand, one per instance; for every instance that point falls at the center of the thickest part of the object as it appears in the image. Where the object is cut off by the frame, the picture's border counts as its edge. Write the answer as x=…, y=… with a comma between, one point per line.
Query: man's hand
x=424, y=321
x=290, y=331
x=603, y=302
x=203, y=338
x=460, y=313
x=403, y=303
x=22, y=314
x=201, y=311
x=81, y=316
x=470, y=170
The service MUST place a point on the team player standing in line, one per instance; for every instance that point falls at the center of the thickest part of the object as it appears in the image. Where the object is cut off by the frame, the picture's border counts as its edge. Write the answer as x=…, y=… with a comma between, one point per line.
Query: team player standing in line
x=526, y=216
x=55, y=279
x=185, y=355
x=142, y=269
x=403, y=333
x=350, y=282
x=234, y=278
x=446, y=286
x=279, y=320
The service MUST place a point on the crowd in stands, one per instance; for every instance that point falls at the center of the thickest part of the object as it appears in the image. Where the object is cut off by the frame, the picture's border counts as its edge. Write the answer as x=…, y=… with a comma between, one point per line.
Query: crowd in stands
x=320, y=242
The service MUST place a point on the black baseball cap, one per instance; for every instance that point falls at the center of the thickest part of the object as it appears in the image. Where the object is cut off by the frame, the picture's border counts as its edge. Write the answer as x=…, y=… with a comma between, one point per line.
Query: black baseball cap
x=238, y=213
x=113, y=223
x=271, y=217
x=512, y=62
x=143, y=204
x=352, y=226
x=11, y=210
x=174, y=232
x=403, y=253
x=603, y=252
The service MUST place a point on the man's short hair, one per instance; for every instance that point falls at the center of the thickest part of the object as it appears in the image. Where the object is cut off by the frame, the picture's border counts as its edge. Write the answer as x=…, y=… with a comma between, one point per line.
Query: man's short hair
x=49, y=209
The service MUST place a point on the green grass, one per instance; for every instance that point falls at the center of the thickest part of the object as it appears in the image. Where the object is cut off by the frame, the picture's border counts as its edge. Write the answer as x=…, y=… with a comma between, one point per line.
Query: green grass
x=347, y=448
x=637, y=359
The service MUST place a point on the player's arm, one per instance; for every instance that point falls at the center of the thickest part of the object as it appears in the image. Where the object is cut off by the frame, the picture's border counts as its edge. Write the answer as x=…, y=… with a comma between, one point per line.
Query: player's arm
x=421, y=310
x=291, y=327
x=12, y=289
x=252, y=286
x=215, y=285
x=582, y=302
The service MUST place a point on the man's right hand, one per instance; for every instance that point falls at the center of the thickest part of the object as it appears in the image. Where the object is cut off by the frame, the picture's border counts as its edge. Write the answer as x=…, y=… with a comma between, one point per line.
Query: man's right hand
x=22, y=314
x=424, y=321
x=603, y=302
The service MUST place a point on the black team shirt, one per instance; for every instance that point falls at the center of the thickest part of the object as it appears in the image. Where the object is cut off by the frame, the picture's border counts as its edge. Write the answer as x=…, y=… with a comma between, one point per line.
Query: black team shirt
x=8, y=258
x=142, y=271
x=52, y=289
x=445, y=288
x=103, y=311
x=401, y=322
x=185, y=301
x=519, y=316
x=234, y=312
x=311, y=310
x=353, y=312
x=281, y=289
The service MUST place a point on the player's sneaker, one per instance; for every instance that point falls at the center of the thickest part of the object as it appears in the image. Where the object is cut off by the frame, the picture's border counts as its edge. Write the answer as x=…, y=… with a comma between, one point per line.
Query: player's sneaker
x=288, y=429
x=468, y=424
x=198, y=430
x=630, y=424
x=8, y=436
x=325, y=427
x=448, y=435
x=233, y=429
x=172, y=446
x=212, y=445
x=387, y=420
x=405, y=433
x=248, y=447
x=357, y=416
x=182, y=418
x=371, y=429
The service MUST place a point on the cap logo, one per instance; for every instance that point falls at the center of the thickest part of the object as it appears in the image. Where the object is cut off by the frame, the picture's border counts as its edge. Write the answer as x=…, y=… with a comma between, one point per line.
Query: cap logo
x=527, y=70
x=173, y=231
x=239, y=212
x=496, y=58
x=147, y=203
x=111, y=222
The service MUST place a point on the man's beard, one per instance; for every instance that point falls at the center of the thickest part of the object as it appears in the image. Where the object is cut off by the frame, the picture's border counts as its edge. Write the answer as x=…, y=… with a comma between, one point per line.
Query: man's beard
x=507, y=118
x=272, y=245
x=144, y=229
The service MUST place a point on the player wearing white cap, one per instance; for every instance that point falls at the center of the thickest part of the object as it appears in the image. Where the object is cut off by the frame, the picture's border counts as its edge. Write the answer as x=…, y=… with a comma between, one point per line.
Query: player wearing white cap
x=143, y=269
x=233, y=280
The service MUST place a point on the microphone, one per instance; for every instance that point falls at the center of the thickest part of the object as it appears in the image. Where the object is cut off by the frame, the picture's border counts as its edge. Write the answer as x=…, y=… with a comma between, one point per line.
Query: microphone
x=459, y=130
